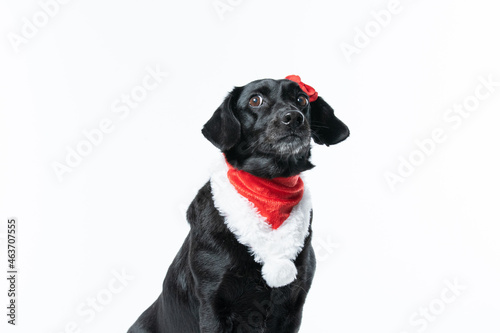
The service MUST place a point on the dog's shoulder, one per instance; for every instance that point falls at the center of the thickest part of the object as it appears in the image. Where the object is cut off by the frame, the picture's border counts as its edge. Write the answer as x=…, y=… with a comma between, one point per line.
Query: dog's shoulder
x=202, y=215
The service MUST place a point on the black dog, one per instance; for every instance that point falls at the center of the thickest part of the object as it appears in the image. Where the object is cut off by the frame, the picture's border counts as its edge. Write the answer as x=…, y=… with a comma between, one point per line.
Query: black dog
x=234, y=272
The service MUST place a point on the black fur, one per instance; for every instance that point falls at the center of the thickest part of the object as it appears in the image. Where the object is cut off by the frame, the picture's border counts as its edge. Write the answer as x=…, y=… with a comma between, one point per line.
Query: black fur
x=214, y=285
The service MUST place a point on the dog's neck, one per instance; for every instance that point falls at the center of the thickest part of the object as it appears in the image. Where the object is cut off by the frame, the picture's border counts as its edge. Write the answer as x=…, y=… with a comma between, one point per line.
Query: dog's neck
x=270, y=166
x=274, y=198
x=276, y=249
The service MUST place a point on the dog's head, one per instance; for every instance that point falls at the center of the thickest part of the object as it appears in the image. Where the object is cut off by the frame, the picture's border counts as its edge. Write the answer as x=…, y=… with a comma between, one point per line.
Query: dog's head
x=266, y=126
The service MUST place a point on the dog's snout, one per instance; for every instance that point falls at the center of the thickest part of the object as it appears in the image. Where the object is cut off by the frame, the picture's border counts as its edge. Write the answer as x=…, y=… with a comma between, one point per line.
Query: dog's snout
x=293, y=119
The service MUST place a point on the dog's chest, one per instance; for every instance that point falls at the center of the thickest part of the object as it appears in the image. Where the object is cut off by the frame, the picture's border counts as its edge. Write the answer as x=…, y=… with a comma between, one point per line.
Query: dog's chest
x=275, y=249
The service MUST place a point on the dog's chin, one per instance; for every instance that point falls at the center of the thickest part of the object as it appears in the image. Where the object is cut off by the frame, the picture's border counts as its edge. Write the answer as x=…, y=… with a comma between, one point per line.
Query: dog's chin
x=284, y=157
x=291, y=145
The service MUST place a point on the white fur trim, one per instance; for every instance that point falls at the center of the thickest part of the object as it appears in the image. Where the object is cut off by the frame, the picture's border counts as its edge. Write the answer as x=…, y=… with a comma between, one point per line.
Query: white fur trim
x=274, y=249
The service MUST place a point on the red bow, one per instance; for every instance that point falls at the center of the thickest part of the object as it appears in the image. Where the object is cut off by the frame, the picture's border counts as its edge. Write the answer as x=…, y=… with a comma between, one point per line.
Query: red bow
x=313, y=95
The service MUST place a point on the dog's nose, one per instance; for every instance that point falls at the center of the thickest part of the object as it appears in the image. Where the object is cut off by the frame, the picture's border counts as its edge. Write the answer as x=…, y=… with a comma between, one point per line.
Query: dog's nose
x=293, y=119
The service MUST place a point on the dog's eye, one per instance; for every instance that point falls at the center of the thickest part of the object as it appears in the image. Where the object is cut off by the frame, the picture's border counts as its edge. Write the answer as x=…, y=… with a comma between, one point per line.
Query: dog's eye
x=255, y=100
x=302, y=100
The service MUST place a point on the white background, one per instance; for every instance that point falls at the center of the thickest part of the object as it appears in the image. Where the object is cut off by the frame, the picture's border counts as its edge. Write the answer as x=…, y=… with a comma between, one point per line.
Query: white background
x=384, y=254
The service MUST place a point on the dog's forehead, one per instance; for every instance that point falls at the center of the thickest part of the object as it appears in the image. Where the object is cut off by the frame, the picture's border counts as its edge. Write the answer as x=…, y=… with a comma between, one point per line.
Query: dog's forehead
x=267, y=86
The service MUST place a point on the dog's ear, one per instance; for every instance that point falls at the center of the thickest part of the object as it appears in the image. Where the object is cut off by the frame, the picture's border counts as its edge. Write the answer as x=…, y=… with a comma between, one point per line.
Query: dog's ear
x=325, y=127
x=224, y=129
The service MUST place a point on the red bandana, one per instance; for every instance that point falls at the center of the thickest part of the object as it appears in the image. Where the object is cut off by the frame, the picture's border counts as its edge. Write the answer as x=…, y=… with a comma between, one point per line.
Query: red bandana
x=273, y=198
x=313, y=95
